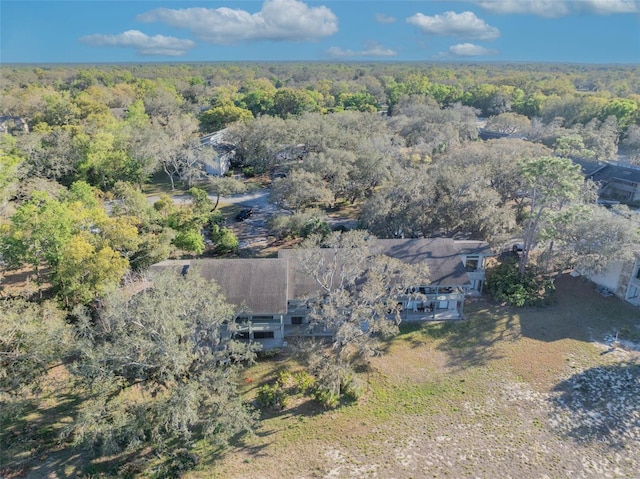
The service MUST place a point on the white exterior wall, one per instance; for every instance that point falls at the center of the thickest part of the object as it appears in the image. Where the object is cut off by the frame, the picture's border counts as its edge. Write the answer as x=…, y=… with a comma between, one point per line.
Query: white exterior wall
x=219, y=168
x=633, y=290
x=610, y=277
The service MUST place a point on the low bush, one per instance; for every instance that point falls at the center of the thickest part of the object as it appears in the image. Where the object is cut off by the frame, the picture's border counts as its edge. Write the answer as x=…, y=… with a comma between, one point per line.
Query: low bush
x=506, y=284
x=300, y=224
x=272, y=396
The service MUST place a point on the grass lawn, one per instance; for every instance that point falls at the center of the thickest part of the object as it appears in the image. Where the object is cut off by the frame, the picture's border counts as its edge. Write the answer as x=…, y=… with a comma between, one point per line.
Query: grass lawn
x=504, y=393
x=160, y=184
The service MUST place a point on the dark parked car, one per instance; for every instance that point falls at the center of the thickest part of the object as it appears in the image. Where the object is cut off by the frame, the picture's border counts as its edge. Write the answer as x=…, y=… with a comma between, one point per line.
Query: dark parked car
x=244, y=214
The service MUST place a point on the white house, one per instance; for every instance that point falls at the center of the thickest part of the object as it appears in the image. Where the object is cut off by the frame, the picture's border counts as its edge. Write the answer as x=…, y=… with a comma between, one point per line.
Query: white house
x=621, y=279
x=225, y=152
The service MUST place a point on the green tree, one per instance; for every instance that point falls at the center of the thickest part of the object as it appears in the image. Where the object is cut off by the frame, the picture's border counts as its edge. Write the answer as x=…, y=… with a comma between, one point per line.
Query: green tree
x=86, y=271
x=625, y=110
x=550, y=185
x=631, y=143
x=572, y=146
x=136, y=115
x=291, y=102
x=259, y=102
x=84, y=250
x=219, y=117
x=189, y=240
x=300, y=189
x=160, y=368
x=355, y=288
x=592, y=237
x=224, y=239
x=508, y=123
x=224, y=186
x=33, y=339
x=10, y=160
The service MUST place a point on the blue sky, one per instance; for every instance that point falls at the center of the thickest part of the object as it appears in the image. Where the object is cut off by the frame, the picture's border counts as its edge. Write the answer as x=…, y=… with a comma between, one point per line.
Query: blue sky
x=585, y=31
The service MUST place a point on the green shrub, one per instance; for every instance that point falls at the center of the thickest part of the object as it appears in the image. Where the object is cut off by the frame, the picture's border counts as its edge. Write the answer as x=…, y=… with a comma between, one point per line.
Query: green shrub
x=272, y=396
x=224, y=239
x=327, y=398
x=285, y=379
x=304, y=381
x=189, y=240
x=315, y=226
x=352, y=388
x=300, y=224
x=506, y=284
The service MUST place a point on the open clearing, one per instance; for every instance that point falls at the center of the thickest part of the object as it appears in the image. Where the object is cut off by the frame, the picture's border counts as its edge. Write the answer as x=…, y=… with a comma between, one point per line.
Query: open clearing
x=510, y=394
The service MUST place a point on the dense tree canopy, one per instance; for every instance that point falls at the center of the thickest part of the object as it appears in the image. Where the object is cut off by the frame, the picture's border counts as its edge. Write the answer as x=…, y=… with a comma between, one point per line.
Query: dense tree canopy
x=160, y=367
x=356, y=290
x=394, y=146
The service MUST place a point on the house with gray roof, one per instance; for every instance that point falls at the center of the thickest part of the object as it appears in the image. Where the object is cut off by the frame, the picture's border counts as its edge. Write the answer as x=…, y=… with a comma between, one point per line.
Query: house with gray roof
x=617, y=181
x=270, y=294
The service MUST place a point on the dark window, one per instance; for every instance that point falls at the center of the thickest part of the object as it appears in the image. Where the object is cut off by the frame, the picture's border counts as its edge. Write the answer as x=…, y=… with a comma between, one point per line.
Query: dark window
x=296, y=319
x=242, y=335
x=263, y=335
x=472, y=264
x=638, y=274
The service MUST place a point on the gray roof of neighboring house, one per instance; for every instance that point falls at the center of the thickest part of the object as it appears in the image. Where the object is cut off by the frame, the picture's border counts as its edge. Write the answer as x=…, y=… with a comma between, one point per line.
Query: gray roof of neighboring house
x=260, y=284
x=588, y=166
x=606, y=171
x=617, y=172
x=440, y=254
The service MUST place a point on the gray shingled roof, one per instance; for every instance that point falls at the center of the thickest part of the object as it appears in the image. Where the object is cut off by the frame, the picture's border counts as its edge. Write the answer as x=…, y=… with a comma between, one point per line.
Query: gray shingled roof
x=606, y=171
x=440, y=254
x=301, y=284
x=588, y=166
x=260, y=284
x=473, y=247
x=610, y=172
x=265, y=284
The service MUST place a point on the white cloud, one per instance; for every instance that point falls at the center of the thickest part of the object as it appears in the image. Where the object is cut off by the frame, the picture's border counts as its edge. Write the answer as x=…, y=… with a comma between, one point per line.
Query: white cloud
x=543, y=8
x=470, y=50
x=144, y=44
x=606, y=7
x=382, y=18
x=284, y=20
x=559, y=8
x=372, y=49
x=451, y=24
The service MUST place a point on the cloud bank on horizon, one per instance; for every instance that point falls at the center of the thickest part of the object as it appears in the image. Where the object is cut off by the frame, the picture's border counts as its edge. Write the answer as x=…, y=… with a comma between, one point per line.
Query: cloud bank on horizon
x=558, y=8
x=143, y=44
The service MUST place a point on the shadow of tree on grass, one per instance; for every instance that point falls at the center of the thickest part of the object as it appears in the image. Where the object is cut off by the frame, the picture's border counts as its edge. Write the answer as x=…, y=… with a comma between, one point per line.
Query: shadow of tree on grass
x=469, y=342
x=601, y=404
